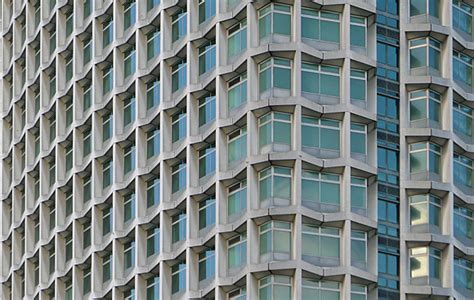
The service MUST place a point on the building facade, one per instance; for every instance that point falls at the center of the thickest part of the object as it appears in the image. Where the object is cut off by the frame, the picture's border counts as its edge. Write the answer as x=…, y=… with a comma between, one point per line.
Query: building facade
x=237, y=149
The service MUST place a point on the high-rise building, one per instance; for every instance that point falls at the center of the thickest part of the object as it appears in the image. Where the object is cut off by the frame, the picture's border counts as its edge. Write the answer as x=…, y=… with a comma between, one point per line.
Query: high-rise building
x=237, y=149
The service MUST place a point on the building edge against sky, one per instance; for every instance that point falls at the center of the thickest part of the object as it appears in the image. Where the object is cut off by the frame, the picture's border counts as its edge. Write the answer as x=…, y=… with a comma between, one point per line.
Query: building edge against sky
x=225, y=149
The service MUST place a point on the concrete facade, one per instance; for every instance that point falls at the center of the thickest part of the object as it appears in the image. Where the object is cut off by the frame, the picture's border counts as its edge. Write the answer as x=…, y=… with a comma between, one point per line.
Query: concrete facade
x=223, y=149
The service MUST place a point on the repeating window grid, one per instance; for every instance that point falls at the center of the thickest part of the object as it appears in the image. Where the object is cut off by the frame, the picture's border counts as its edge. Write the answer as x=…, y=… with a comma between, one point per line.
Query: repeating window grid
x=175, y=125
x=177, y=171
x=361, y=183
x=360, y=236
x=207, y=104
x=153, y=238
x=321, y=285
x=207, y=212
x=322, y=231
x=206, y=257
x=359, y=291
x=107, y=174
x=428, y=43
x=153, y=188
x=360, y=75
x=237, y=85
x=176, y=21
x=321, y=124
x=275, y=226
x=237, y=137
x=129, y=207
x=153, y=287
x=153, y=90
x=262, y=283
x=207, y=161
x=107, y=33
x=179, y=223
x=176, y=71
x=272, y=117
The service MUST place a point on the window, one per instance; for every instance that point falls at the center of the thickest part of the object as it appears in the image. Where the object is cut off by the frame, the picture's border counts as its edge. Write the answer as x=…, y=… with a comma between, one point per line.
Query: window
x=425, y=213
x=108, y=33
x=359, y=249
x=107, y=126
x=87, y=98
x=207, y=264
x=275, y=241
x=359, y=195
x=178, y=177
x=425, y=159
x=274, y=73
x=86, y=142
x=237, y=38
x=86, y=281
x=107, y=174
x=207, y=212
x=321, y=245
x=462, y=68
x=153, y=143
x=87, y=51
x=237, y=146
x=129, y=159
x=207, y=9
x=52, y=85
x=320, y=289
x=237, y=92
x=387, y=54
x=178, y=278
x=358, y=87
x=207, y=161
x=67, y=289
x=68, y=110
x=68, y=247
x=321, y=191
x=153, y=192
x=128, y=207
x=275, y=186
x=52, y=173
x=207, y=57
x=237, y=198
x=425, y=265
x=323, y=26
x=237, y=251
x=153, y=44
x=274, y=130
x=424, y=53
x=178, y=25
x=358, y=31
x=358, y=140
x=129, y=255
x=129, y=14
x=178, y=126
x=106, y=268
x=129, y=294
x=463, y=274
x=463, y=223
x=178, y=76
x=153, y=288
x=424, y=7
x=178, y=227
x=153, y=241
x=321, y=137
x=207, y=109
x=69, y=62
x=388, y=161
x=239, y=293
x=462, y=173
x=128, y=111
x=129, y=62
x=52, y=41
x=275, y=287
x=358, y=291
x=108, y=80
x=86, y=235
x=106, y=221
x=388, y=267
x=87, y=8
x=152, y=94
x=462, y=120
x=462, y=17
x=320, y=79
x=274, y=20
x=425, y=108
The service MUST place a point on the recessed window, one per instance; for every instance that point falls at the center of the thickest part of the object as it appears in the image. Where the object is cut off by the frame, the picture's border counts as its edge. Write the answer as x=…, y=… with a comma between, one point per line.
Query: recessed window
x=359, y=195
x=425, y=108
x=462, y=68
x=152, y=94
x=358, y=82
x=153, y=241
x=207, y=212
x=128, y=207
x=207, y=109
x=237, y=91
x=237, y=38
x=358, y=291
x=462, y=120
x=425, y=266
x=108, y=33
x=321, y=137
x=237, y=251
x=153, y=44
x=108, y=80
x=129, y=62
x=129, y=159
x=321, y=191
x=321, y=80
x=106, y=268
x=425, y=213
x=178, y=177
x=320, y=289
x=86, y=142
x=153, y=287
x=153, y=143
x=178, y=227
x=178, y=25
x=207, y=9
x=106, y=220
x=153, y=192
x=129, y=255
x=323, y=26
x=207, y=264
x=178, y=278
x=207, y=57
x=178, y=76
x=274, y=132
x=359, y=249
x=275, y=73
x=275, y=241
x=358, y=32
x=425, y=160
x=129, y=14
x=129, y=111
x=425, y=8
x=462, y=17
x=107, y=174
x=275, y=186
x=321, y=245
x=107, y=126
x=274, y=20
x=207, y=161
x=178, y=126
x=425, y=56
x=275, y=287
x=358, y=141
x=237, y=146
